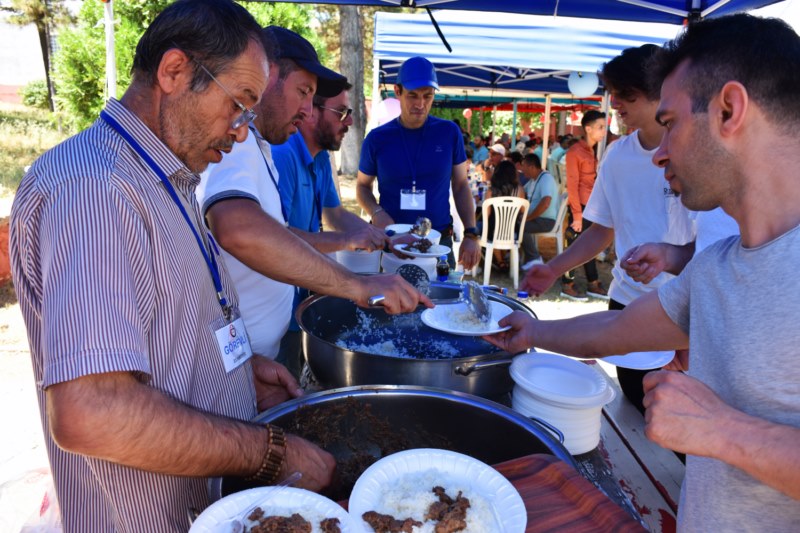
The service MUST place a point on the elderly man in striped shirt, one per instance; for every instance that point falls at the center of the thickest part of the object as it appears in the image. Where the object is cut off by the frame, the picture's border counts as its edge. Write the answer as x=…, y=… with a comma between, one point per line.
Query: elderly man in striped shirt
x=145, y=377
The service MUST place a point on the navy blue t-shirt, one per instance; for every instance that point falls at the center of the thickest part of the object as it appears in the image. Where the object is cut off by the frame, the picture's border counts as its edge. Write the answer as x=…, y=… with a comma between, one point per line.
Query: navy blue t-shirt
x=397, y=155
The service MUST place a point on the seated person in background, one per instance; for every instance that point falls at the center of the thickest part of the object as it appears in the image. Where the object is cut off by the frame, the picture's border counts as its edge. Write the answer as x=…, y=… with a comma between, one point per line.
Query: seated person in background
x=504, y=183
x=542, y=193
x=481, y=152
x=496, y=154
x=516, y=158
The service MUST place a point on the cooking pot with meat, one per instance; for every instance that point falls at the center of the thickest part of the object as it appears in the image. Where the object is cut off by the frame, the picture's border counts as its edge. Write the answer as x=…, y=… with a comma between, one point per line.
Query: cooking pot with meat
x=346, y=346
x=359, y=425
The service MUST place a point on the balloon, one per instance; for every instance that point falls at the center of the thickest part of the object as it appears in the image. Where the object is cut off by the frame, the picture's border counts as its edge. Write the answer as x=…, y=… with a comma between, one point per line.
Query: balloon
x=467, y=113
x=388, y=109
x=582, y=83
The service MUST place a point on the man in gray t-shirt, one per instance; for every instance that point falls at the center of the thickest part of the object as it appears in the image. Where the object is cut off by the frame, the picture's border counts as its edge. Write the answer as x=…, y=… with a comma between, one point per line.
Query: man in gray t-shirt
x=736, y=412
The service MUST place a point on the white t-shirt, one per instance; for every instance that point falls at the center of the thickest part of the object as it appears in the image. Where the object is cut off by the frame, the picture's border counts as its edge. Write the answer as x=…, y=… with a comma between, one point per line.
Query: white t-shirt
x=632, y=197
x=265, y=304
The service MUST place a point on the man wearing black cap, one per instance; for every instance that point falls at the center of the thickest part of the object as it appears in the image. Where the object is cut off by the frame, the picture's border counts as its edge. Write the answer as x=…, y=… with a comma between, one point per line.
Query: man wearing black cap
x=416, y=158
x=241, y=200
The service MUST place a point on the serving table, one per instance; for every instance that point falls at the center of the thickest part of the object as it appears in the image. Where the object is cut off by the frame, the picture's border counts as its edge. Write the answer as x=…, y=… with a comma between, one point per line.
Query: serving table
x=640, y=476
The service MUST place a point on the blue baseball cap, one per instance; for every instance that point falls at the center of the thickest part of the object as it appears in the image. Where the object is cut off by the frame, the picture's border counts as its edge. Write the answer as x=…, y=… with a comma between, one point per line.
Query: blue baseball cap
x=416, y=72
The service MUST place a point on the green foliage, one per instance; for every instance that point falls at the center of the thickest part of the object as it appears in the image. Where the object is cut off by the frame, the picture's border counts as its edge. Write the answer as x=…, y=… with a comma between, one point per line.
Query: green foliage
x=35, y=94
x=25, y=133
x=80, y=62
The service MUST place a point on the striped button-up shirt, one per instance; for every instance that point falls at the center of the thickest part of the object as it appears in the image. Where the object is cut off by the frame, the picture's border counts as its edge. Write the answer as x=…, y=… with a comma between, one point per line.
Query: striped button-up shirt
x=110, y=278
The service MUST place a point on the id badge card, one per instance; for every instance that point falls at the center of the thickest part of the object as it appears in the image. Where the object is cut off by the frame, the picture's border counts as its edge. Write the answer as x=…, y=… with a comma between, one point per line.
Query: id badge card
x=412, y=199
x=232, y=340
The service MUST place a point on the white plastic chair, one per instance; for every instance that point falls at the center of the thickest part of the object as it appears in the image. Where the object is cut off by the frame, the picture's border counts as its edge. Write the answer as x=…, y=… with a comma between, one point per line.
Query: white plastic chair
x=508, y=228
x=558, y=229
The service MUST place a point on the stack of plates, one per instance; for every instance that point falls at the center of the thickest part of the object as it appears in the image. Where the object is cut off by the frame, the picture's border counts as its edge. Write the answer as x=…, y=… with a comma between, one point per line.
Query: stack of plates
x=360, y=261
x=563, y=392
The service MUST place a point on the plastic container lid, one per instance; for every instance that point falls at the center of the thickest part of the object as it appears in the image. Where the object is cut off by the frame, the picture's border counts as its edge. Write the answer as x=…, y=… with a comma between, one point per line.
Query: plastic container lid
x=557, y=378
x=521, y=295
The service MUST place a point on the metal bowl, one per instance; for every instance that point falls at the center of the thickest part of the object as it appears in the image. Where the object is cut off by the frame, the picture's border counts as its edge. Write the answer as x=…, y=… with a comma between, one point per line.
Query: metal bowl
x=428, y=417
x=473, y=366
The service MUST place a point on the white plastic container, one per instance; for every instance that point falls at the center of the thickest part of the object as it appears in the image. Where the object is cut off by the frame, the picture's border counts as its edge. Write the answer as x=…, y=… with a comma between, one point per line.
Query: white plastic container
x=391, y=263
x=563, y=392
x=367, y=262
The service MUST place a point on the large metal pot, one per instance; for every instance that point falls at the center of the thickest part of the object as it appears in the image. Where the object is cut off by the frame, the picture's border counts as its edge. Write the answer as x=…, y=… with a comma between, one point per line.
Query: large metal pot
x=467, y=424
x=473, y=365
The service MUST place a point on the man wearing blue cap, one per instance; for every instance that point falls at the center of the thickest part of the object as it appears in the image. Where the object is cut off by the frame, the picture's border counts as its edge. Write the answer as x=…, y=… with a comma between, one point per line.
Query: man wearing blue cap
x=417, y=158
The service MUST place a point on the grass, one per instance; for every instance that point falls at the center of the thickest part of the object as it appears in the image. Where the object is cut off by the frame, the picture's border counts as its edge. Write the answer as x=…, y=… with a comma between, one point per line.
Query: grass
x=25, y=133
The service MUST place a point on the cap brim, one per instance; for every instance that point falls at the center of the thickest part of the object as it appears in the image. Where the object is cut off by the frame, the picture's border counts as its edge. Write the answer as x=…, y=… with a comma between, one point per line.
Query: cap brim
x=329, y=83
x=413, y=85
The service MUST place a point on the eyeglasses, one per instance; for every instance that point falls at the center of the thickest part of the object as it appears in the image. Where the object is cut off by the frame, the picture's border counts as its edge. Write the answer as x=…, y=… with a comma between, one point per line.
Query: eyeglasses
x=246, y=116
x=344, y=113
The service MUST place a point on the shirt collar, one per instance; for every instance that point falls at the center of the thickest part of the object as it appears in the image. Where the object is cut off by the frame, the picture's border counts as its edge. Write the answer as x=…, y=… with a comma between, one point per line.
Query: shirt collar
x=166, y=160
x=298, y=142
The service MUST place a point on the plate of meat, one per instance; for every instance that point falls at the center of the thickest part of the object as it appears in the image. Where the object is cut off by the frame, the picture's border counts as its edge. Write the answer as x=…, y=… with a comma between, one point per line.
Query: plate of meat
x=431, y=489
x=287, y=509
x=423, y=248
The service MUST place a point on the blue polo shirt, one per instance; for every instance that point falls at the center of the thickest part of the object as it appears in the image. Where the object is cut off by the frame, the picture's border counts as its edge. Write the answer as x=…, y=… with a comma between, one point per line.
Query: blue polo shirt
x=480, y=154
x=305, y=183
x=398, y=156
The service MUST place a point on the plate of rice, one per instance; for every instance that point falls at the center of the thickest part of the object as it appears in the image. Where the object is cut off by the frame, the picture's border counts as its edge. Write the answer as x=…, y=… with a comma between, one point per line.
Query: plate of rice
x=404, y=486
x=458, y=319
x=283, y=502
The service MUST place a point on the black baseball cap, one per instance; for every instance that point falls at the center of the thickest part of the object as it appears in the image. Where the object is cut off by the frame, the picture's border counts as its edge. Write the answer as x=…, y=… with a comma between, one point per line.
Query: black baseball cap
x=291, y=45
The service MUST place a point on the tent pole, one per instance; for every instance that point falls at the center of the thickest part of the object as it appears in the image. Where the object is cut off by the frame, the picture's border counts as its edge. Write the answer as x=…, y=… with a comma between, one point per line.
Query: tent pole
x=605, y=107
x=494, y=124
x=546, y=130
x=111, y=59
x=514, y=126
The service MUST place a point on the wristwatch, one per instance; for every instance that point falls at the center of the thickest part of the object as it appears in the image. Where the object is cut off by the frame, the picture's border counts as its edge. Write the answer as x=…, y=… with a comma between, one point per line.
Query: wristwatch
x=471, y=233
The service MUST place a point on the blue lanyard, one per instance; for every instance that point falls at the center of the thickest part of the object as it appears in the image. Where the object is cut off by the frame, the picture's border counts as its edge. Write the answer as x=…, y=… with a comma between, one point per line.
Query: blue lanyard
x=269, y=171
x=408, y=155
x=209, y=257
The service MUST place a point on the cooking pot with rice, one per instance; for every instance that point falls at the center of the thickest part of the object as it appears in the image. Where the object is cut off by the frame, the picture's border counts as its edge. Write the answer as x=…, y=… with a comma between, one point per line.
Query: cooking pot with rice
x=346, y=346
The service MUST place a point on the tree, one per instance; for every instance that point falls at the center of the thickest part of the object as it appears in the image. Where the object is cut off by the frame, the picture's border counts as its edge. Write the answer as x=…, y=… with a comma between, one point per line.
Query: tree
x=44, y=14
x=352, y=66
x=80, y=63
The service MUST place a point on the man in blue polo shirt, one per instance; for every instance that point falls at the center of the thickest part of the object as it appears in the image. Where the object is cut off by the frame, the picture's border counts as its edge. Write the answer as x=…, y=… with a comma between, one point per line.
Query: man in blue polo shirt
x=310, y=200
x=416, y=159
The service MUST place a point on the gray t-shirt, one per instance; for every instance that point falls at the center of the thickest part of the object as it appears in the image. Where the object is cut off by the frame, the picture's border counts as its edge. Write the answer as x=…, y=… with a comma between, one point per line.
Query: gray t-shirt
x=740, y=308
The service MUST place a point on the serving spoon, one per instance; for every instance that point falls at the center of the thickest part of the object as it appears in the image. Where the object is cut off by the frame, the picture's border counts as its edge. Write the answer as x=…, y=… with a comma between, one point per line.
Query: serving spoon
x=471, y=292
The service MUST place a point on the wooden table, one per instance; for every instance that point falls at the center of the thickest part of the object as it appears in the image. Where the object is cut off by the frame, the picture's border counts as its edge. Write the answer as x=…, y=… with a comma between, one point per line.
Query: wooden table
x=627, y=463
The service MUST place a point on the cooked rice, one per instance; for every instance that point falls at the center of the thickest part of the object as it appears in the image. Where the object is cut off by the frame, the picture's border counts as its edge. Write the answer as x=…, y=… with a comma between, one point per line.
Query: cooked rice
x=412, y=495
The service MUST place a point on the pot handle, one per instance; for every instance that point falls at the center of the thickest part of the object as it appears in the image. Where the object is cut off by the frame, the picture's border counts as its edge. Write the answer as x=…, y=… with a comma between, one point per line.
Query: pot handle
x=466, y=370
x=550, y=427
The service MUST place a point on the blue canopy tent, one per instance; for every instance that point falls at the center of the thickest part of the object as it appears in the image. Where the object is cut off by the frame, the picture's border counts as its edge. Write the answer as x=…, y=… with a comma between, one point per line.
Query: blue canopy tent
x=666, y=11
x=501, y=55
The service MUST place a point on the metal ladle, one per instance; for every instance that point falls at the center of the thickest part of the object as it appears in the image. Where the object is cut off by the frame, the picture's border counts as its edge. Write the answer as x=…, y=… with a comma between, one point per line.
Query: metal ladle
x=422, y=227
x=471, y=292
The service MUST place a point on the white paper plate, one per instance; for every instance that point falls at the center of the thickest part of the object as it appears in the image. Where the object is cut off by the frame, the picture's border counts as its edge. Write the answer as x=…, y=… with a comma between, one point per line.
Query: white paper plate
x=560, y=379
x=215, y=518
x=440, y=318
x=641, y=360
x=436, y=250
x=369, y=490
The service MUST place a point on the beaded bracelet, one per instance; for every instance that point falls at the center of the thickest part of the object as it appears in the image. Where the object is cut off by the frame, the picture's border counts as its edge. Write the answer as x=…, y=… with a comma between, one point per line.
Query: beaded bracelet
x=273, y=460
